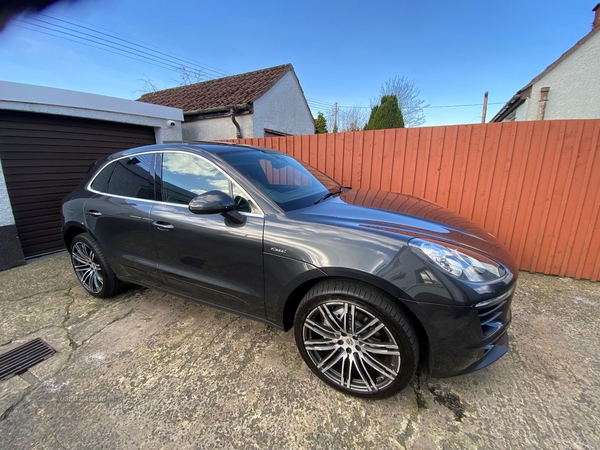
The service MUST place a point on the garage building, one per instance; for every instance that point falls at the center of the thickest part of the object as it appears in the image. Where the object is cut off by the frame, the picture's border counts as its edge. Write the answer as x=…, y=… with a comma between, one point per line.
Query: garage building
x=48, y=139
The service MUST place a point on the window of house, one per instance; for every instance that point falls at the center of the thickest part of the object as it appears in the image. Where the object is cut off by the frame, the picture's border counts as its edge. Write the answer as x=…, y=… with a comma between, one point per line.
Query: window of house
x=184, y=176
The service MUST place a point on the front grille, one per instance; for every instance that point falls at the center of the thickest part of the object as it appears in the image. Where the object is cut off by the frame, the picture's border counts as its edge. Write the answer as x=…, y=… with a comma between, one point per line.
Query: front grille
x=18, y=360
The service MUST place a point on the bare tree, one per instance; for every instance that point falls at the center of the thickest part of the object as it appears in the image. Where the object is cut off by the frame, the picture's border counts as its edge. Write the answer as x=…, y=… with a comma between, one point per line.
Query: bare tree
x=353, y=118
x=350, y=118
x=410, y=104
x=149, y=85
x=186, y=75
x=190, y=76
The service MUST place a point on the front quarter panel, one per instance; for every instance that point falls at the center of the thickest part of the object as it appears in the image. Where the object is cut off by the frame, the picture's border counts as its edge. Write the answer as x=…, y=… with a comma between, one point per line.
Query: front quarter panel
x=376, y=256
x=354, y=252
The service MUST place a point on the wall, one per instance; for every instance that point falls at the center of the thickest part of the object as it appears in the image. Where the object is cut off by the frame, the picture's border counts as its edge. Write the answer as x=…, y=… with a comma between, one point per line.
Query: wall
x=41, y=99
x=216, y=129
x=573, y=84
x=283, y=108
x=11, y=253
x=533, y=184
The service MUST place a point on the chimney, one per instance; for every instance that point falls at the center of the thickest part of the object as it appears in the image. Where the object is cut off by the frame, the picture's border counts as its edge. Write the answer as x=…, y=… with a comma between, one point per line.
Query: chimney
x=596, y=23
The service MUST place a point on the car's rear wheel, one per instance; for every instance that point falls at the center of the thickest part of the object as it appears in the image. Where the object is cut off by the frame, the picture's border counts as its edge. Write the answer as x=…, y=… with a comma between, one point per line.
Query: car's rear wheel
x=356, y=339
x=92, y=268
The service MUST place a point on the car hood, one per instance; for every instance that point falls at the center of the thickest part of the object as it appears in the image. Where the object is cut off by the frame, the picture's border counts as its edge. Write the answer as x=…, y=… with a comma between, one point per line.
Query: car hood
x=411, y=217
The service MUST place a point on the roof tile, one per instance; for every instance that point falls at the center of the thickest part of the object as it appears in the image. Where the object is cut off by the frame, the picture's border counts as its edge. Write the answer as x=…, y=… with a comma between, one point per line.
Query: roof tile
x=233, y=90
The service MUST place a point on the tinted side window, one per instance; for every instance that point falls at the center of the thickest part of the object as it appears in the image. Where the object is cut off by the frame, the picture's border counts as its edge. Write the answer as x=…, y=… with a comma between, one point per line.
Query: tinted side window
x=131, y=177
x=185, y=176
x=101, y=181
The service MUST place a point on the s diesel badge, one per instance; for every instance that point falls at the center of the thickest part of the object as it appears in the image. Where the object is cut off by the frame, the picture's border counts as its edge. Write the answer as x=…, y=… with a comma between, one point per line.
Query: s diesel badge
x=278, y=250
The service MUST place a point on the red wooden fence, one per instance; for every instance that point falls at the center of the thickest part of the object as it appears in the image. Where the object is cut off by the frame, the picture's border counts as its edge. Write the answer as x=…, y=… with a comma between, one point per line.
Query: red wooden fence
x=534, y=185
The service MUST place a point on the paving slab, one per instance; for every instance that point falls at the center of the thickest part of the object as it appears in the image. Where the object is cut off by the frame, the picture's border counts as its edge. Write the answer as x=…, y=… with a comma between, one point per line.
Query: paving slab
x=148, y=370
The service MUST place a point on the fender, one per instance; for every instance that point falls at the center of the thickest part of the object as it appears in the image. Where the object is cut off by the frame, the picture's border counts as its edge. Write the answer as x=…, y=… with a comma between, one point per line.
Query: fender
x=286, y=282
x=368, y=278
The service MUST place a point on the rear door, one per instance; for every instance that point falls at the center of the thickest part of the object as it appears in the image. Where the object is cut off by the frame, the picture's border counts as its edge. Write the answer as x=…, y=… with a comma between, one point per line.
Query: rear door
x=207, y=257
x=118, y=216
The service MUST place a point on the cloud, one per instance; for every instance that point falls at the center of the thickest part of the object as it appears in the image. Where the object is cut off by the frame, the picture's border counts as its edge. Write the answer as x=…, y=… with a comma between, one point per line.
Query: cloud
x=189, y=165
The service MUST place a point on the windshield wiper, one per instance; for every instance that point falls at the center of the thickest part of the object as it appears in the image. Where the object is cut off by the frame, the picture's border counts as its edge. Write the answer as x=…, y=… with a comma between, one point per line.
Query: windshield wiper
x=341, y=190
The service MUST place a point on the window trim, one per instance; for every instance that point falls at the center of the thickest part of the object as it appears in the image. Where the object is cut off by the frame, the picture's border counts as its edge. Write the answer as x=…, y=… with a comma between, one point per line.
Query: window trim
x=88, y=187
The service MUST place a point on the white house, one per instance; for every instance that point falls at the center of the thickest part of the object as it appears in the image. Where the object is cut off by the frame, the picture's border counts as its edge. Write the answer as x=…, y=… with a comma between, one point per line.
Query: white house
x=567, y=89
x=48, y=139
x=267, y=102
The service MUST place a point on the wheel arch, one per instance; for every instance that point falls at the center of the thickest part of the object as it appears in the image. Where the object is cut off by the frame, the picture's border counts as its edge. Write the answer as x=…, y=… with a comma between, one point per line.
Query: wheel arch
x=70, y=231
x=384, y=286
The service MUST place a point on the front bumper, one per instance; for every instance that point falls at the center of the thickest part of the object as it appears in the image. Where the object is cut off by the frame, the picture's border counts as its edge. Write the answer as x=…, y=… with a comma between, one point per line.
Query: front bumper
x=494, y=353
x=463, y=339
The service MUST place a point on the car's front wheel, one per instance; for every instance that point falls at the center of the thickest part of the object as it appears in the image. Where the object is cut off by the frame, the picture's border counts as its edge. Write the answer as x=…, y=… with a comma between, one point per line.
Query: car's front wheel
x=356, y=339
x=91, y=267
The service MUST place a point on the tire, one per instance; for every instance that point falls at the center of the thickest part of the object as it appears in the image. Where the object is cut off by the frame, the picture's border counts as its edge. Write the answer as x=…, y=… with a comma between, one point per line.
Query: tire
x=356, y=339
x=92, y=268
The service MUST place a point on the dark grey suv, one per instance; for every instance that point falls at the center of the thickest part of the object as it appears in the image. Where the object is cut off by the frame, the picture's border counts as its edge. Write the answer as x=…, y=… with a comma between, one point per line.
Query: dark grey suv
x=374, y=284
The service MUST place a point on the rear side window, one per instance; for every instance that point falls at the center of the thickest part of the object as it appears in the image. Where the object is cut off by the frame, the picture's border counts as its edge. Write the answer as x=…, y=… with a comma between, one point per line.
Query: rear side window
x=100, y=183
x=127, y=177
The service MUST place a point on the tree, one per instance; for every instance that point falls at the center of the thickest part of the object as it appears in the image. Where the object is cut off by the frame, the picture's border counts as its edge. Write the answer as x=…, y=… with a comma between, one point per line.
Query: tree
x=353, y=118
x=320, y=123
x=190, y=76
x=385, y=115
x=407, y=93
x=149, y=85
x=187, y=76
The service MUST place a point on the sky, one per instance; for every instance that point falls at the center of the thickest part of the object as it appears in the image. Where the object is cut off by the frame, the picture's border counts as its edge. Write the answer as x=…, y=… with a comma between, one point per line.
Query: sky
x=342, y=51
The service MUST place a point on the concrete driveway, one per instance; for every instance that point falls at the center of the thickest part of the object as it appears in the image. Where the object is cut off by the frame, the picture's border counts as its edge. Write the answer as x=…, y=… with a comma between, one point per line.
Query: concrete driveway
x=147, y=370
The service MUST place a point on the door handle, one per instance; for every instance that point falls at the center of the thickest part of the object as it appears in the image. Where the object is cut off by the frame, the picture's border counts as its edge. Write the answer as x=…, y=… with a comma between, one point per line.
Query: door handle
x=93, y=212
x=162, y=226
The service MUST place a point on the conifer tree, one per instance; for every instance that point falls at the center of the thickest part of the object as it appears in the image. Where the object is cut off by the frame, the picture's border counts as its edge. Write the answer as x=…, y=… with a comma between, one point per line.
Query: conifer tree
x=320, y=124
x=385, y=115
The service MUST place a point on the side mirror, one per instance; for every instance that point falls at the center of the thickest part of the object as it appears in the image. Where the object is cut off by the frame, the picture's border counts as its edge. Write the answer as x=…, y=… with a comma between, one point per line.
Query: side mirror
x=216, y=202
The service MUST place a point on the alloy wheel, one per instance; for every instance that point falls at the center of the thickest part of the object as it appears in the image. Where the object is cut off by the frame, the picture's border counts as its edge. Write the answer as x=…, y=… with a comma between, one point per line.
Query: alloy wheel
x=351, y=347
x=87, y=267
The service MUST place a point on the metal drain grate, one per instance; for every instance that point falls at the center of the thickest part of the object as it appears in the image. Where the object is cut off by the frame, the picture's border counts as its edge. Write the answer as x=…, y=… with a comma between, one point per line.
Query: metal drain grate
x=18, y=360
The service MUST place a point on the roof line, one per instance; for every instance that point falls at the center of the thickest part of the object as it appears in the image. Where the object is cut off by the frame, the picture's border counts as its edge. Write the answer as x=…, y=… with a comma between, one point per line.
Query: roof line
x=512, y=104
x=244, y=88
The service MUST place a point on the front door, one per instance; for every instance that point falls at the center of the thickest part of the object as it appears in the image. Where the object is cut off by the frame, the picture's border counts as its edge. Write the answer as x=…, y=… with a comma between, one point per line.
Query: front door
x=207, y=257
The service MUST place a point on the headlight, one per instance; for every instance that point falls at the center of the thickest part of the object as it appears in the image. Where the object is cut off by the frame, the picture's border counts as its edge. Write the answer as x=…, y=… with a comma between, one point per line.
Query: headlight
x=460, y=262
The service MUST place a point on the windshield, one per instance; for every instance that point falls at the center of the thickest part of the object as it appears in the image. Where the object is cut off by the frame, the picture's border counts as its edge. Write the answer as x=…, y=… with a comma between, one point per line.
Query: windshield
x=289, y=183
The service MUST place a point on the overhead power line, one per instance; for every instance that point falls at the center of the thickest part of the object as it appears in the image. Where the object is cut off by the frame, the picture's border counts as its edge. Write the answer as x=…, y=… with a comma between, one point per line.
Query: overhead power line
x=141, y=44
x=125, y=50
x=114, y=44
x=134, y=49
x=93, y=46
x=331, y=105
x=461, y=106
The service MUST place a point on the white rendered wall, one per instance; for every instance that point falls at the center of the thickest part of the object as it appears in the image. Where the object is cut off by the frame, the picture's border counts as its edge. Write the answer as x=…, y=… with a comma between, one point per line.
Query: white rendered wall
x=6, y=214
x=574, y=87
x=283, y=108
x=217, y=129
